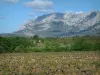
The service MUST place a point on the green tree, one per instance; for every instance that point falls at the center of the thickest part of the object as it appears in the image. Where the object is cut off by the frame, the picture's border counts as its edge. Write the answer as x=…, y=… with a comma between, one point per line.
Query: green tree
x=97, y=46
x=81, y=44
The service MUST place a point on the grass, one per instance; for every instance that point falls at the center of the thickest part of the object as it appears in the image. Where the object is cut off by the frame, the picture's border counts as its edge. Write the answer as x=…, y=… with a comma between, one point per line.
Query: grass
x=50, y=63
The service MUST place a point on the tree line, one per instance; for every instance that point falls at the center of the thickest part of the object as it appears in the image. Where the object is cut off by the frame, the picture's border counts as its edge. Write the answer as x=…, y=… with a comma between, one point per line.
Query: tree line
x=37, y=44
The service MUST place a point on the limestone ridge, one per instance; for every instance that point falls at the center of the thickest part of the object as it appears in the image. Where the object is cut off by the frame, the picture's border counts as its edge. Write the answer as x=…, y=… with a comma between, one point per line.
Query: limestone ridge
x=62, y=25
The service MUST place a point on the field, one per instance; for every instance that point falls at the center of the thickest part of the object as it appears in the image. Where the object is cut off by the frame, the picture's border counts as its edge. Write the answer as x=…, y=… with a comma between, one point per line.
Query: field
x=50, y=63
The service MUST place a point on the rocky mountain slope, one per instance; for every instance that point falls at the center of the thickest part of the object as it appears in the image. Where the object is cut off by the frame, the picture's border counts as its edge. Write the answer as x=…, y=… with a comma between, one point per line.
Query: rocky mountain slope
x=62, y=25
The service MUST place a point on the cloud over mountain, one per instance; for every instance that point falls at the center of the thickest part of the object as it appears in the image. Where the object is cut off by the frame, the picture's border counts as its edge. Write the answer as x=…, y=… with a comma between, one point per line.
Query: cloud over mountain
x=40, y=5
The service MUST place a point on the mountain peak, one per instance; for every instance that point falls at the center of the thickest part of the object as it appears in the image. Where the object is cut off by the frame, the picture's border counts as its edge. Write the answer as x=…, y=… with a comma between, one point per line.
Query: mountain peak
x=63, y=24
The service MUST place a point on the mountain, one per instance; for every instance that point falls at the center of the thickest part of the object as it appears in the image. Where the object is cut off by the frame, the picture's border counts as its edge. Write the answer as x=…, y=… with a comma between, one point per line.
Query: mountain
x=62, y=25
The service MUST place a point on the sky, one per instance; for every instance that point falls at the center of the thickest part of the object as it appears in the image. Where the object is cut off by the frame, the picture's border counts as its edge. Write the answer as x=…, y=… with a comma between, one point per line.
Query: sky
x=14, y=13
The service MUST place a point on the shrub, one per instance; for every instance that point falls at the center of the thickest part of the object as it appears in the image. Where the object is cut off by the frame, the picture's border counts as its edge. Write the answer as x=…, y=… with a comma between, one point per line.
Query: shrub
x=81, y=44
x=2, y=50
x=97, y=46
x=19, y=48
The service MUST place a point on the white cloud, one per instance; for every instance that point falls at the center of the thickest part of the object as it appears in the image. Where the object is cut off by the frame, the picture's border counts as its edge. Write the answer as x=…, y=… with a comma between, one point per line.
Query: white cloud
x=40, y=5
x=31, y=14
x=12, y=1
x=45, y=10
x=79, y=12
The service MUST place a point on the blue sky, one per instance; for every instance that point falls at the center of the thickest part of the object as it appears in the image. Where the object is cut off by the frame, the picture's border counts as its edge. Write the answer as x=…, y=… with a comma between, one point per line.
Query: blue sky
x=14, y=13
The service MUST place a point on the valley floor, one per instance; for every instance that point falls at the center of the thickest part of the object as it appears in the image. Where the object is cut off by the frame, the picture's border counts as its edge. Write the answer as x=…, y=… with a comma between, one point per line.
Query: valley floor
x=50, y=63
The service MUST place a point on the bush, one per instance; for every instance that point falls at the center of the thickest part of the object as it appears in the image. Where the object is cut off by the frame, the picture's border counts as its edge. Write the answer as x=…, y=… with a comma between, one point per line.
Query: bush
x=33, y=49
x=53, y=47
x=35, y=37
x=2, y=50
x=97, y=46
x=81, y=44
x=19, y=48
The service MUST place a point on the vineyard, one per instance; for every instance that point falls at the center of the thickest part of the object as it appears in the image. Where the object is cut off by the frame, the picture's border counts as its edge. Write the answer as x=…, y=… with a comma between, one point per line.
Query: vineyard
x=50, y=63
